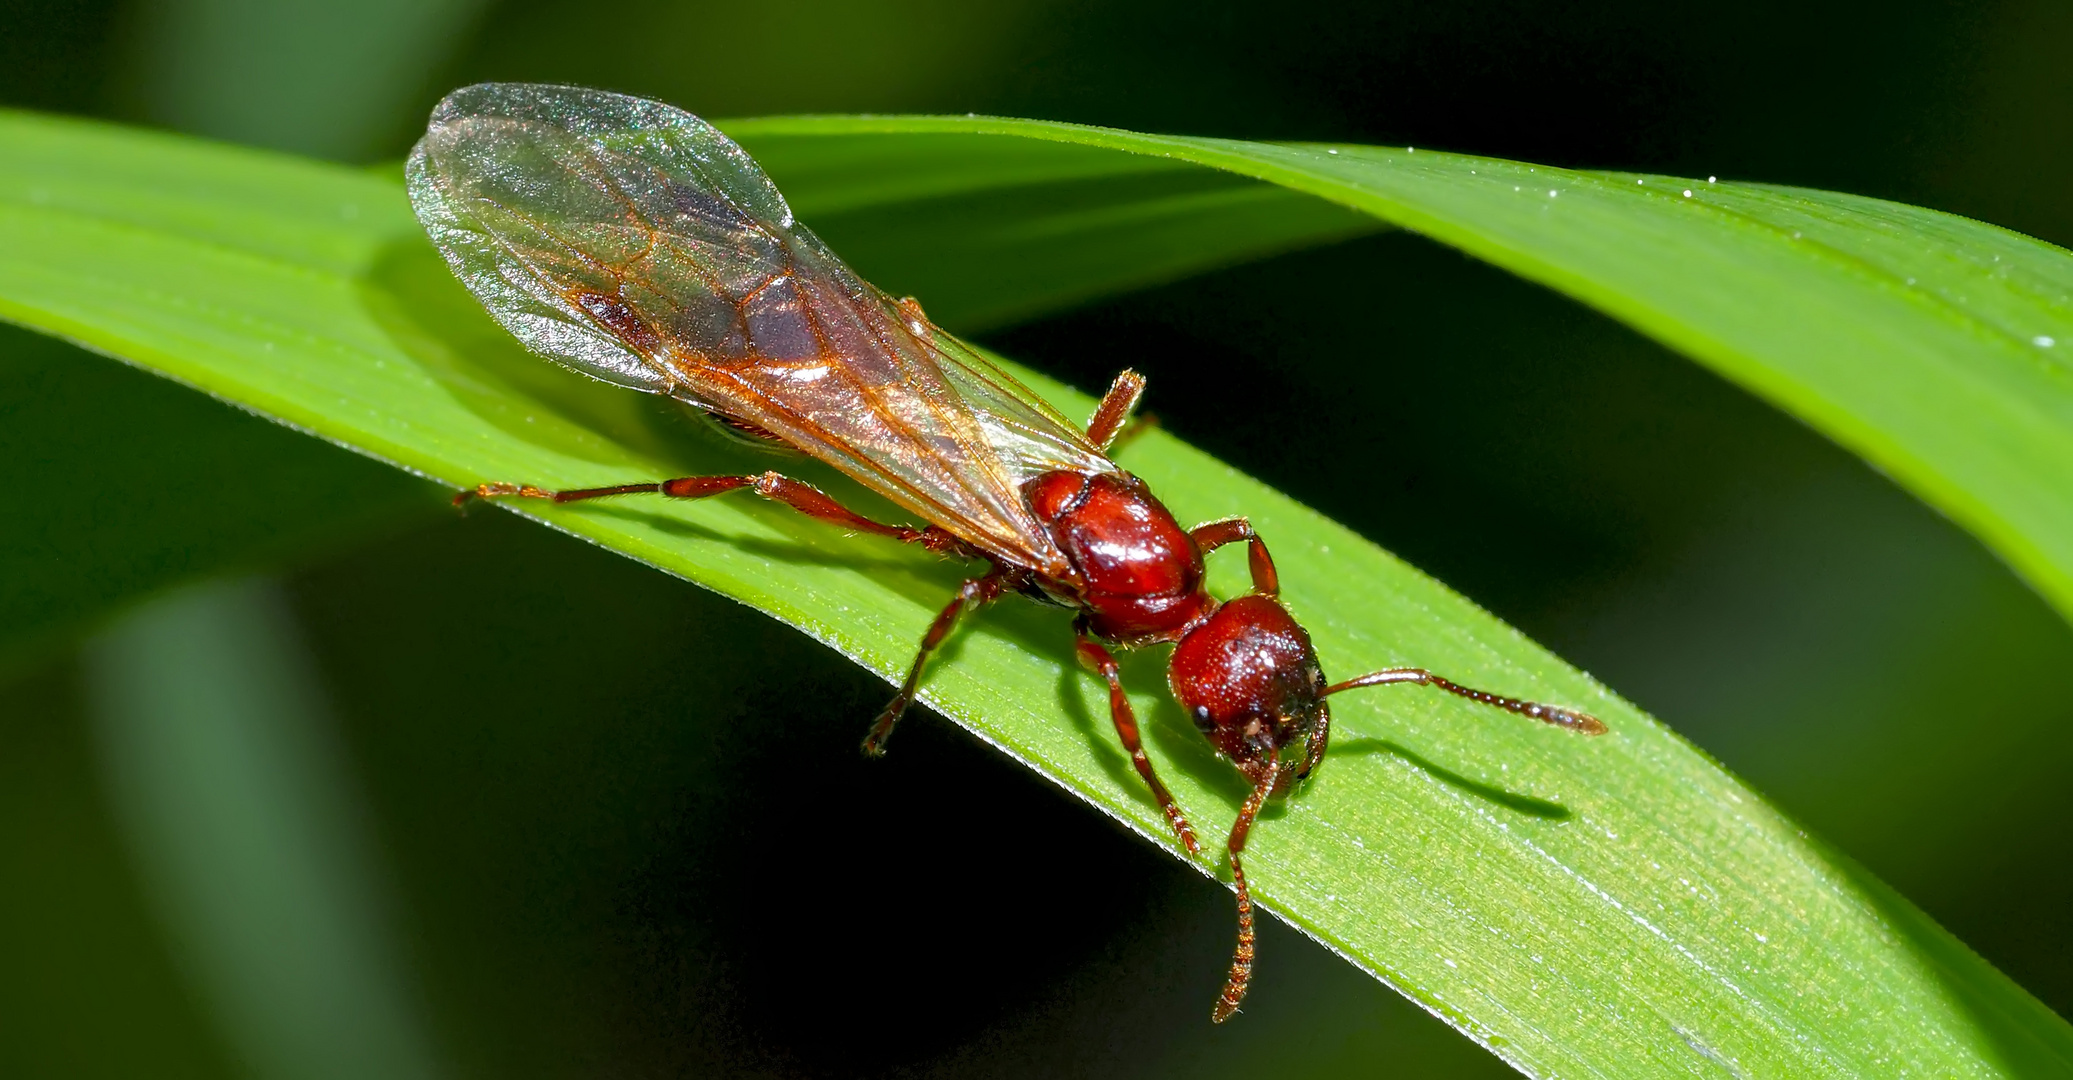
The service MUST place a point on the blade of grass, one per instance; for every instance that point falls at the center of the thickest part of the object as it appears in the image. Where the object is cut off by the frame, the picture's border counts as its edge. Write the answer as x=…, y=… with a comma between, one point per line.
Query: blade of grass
x=994, y=231
x=1617, y=907
x=120, y=519
x=1938, y=348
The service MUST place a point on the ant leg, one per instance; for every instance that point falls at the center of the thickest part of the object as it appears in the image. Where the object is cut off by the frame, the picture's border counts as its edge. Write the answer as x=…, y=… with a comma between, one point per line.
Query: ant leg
x=974, y=593
x=1559, y=715
x=1240, y=976
x=1231, y=530
x=1098, y=660
x=1114, y=409
x=797, y=494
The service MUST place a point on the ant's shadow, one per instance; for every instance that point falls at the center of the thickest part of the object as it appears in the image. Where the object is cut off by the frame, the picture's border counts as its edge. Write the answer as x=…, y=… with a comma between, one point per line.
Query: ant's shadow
x=1517, y=802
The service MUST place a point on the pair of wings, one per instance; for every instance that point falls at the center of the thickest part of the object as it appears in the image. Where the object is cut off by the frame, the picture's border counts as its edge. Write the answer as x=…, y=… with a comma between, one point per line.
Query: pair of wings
x=635, y=243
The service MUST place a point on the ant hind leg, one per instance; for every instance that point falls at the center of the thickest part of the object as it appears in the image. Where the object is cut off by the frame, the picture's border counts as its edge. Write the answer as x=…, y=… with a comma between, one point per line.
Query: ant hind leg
x=777, y=487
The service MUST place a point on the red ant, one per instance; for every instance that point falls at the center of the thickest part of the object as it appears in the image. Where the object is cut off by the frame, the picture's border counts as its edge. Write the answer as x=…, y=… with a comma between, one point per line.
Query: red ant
x=634, y=242
x=1243, y=669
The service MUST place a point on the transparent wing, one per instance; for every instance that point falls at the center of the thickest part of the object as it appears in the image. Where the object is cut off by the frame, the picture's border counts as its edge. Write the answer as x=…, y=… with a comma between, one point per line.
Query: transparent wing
x=633, y=242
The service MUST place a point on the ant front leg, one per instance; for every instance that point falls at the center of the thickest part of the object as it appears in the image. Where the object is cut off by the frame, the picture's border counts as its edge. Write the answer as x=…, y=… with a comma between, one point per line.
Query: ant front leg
x=1218, y=533
x=977, y=592
x=777, y=487
x=1098, y=660
x=1240, y=975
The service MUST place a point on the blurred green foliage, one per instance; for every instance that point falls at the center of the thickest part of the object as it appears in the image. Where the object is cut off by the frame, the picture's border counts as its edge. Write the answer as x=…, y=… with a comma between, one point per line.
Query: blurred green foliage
x=550, y=749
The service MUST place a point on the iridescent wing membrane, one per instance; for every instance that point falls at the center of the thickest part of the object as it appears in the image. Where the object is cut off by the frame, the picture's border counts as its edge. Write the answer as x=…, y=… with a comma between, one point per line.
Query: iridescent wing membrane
x=635, y=243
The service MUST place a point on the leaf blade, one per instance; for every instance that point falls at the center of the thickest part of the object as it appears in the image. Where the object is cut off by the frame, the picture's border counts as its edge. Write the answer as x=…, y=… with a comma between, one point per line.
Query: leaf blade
x=1805, y=297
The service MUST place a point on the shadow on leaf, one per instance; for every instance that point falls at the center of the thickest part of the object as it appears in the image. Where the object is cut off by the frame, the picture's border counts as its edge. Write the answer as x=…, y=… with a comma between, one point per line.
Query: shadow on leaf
x=1510, y=800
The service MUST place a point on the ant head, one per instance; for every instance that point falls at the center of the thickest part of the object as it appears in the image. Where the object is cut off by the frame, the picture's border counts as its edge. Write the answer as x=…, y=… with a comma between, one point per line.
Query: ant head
x=1251, y=682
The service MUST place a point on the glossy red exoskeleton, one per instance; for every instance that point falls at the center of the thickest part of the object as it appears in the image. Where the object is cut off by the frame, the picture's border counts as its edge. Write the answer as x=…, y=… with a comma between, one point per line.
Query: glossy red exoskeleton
x=635, y=243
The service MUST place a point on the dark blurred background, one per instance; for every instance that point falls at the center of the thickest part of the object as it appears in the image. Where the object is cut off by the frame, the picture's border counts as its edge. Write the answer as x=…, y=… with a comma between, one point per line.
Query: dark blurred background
x=428, y=796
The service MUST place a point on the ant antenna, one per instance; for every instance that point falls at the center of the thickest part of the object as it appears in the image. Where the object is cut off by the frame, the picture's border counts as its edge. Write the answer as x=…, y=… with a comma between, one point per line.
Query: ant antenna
x=1558, y=715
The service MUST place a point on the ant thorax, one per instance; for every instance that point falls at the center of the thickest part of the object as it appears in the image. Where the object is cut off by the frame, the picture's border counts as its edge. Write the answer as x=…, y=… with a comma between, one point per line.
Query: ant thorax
x=1140, y=574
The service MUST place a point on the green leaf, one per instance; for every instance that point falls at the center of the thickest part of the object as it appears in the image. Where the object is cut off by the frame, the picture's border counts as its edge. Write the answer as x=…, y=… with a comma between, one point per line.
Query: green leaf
x=1937, y=348
x=992, y=231
x=1617, y=906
